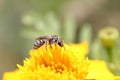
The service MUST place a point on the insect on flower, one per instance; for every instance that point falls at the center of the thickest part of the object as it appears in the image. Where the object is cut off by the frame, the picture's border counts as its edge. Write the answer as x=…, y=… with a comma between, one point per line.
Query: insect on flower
x=53, y=39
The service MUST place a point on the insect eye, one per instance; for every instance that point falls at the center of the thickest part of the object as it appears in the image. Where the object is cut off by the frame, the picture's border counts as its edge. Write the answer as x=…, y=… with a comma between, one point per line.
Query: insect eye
x=60, y=44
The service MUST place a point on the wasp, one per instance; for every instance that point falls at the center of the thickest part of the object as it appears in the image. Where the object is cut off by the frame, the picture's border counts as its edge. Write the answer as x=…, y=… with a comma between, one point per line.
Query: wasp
x=53, y=39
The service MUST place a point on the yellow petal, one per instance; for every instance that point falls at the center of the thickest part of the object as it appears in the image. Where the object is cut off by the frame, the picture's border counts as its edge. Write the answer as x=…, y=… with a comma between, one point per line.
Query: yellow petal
x=11, y=75
x=98, y=70
x=117, y=78
x=82, y=47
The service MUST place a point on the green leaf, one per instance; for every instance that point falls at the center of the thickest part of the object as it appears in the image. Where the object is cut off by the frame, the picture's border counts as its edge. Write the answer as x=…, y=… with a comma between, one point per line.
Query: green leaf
x=86, y=33
x=69, y=28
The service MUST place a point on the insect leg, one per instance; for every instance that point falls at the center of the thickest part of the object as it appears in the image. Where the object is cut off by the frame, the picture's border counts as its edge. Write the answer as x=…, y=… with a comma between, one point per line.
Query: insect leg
x=50, y=43
x=46, y=44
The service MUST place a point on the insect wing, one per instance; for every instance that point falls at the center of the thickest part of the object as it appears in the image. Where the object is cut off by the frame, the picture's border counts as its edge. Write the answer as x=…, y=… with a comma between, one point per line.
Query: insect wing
x=43, y=37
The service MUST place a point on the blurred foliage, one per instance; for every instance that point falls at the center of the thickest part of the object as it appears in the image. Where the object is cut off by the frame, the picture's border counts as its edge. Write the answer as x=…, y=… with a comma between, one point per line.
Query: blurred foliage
x=38, y=25
x=46, y=5
x=49, y=24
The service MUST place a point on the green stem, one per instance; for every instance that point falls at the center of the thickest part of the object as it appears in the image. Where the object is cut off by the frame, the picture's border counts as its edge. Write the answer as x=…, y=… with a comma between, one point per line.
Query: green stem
x=109, y=53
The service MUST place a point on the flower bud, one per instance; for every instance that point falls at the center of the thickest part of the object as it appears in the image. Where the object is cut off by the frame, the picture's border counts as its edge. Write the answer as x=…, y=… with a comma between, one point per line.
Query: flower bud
x=108, y=36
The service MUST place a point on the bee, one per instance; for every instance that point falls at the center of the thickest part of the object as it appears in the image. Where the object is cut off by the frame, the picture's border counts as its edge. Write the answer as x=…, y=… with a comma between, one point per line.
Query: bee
x=53, y=39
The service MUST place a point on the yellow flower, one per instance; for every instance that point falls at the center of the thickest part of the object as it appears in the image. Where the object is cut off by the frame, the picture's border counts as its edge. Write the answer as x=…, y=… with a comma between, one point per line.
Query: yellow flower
x=68, y=63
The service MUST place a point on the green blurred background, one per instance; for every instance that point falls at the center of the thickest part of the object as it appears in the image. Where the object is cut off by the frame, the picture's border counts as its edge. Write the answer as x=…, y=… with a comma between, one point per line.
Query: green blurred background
x=21, y=21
